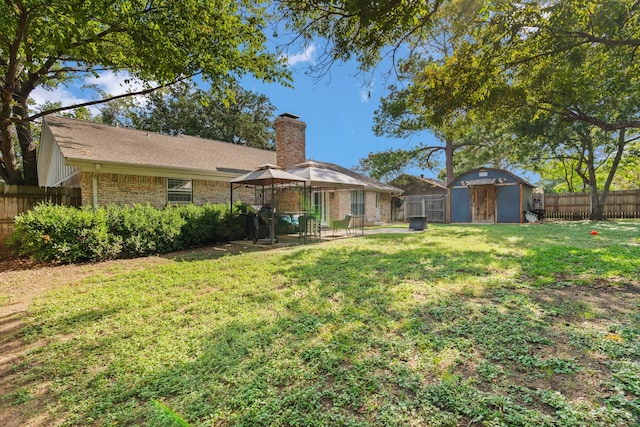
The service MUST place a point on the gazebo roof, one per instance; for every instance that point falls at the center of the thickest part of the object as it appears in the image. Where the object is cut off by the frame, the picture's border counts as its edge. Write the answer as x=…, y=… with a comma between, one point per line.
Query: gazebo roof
x=268, y=174
x=319, y=175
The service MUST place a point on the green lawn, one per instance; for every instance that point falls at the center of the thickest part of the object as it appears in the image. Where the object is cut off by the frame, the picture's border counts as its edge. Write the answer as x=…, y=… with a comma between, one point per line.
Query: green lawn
x=532, y=325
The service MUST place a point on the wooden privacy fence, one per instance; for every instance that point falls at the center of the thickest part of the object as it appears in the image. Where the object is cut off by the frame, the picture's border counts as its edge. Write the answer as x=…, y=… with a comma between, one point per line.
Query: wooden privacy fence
x=431, y=207
x=619, y=204
x=15, y=199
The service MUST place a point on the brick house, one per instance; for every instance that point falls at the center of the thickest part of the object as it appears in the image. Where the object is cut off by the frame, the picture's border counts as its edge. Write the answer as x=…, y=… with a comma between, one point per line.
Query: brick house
x=113, y=165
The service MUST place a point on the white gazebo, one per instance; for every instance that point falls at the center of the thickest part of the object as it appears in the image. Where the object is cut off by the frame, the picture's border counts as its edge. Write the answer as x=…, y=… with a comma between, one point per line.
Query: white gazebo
x=265, y=176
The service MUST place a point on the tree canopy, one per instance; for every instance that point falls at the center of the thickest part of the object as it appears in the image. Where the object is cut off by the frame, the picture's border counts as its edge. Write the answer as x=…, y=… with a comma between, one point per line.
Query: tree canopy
x=160, y=42
x=366, y=30
x=247, y=119
x=550, y=77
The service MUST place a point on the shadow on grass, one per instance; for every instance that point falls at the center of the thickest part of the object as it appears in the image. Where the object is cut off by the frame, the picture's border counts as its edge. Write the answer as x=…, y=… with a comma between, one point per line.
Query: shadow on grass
x=383, y=330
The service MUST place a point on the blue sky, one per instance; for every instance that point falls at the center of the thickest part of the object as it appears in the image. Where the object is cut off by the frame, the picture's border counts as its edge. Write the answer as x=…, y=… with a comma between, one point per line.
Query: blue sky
x=337, y=109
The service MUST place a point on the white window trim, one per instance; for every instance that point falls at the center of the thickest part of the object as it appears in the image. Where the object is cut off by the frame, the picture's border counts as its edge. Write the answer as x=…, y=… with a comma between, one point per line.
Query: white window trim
x=180, y=191
x=359, y=202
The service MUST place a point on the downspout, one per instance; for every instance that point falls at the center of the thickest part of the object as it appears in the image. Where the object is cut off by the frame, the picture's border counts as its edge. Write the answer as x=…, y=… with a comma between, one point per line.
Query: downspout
x=95, y=186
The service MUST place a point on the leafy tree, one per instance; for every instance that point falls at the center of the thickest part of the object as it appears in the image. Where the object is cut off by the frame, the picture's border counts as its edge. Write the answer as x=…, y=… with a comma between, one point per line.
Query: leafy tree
x=388, y=165
x=118, y=112
x=587, y=97
x=366, y=30
x=628, y=175
x=474, y=138
x=467, y=140
x=160, y=42
x=569, y=63
x=245, y=119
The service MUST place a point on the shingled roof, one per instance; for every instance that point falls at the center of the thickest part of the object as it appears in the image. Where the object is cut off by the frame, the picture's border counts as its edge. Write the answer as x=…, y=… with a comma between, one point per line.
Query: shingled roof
x=80, y=145
x=83, y=142
x=368, y=182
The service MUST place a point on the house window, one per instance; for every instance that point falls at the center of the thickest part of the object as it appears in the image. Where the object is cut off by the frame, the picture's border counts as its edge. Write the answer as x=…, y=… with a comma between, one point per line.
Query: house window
x=320, y=206
x=178, y=190
x=357, y=202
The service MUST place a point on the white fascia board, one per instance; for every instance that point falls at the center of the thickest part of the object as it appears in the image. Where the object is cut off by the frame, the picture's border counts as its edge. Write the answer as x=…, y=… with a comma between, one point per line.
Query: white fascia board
x=144, y=170
x=66, y=178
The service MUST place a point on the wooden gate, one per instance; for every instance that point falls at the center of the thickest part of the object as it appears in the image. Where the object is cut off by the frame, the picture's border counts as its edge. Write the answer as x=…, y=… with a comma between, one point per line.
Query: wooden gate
x=483, y=204
x=431, y=206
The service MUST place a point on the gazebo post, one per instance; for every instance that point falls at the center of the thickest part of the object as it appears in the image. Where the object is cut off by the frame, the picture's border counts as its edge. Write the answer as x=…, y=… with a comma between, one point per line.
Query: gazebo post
x=273, y=216
x=258, y=178
x=230, y=222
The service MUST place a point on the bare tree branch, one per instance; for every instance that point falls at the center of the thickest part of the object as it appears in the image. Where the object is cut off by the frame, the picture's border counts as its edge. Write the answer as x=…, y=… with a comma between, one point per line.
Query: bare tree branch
x=101, y=101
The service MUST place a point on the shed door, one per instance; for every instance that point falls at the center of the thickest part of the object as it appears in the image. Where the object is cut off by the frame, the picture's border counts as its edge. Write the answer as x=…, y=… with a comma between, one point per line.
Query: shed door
x=483, y=204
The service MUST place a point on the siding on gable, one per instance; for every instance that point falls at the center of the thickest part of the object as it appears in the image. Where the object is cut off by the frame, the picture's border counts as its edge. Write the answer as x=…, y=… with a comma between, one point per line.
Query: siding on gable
x=52, y=169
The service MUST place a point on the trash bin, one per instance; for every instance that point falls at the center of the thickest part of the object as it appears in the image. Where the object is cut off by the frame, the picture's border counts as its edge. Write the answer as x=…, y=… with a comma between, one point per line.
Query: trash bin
x=417, y=223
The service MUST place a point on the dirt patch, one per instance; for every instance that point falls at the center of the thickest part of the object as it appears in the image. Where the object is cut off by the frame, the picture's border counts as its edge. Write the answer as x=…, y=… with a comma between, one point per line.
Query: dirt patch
x=23, y=280
x=586, y=307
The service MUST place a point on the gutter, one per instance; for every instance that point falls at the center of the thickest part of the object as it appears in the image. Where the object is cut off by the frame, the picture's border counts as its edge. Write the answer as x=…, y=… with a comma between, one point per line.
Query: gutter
x=145, y=170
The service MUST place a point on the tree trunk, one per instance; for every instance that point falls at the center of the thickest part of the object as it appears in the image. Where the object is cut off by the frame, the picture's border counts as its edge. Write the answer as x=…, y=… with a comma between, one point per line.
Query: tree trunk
x=597, y=205
x=9, y=170
x=598, y=199
x=448, y=159
x=27, y=147
x=597, y=210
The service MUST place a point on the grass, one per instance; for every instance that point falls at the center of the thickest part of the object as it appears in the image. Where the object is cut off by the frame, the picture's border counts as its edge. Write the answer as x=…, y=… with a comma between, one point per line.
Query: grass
x=534, y=325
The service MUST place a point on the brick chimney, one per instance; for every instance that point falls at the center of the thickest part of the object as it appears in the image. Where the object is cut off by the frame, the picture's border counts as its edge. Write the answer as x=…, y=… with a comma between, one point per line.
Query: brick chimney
x=290, y=140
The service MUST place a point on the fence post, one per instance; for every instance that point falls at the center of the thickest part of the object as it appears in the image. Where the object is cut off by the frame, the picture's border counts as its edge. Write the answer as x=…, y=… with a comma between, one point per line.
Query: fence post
x=619, y=204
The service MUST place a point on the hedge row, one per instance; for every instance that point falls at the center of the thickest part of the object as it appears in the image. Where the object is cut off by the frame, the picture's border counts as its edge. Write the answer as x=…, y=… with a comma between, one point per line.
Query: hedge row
x=66, y=234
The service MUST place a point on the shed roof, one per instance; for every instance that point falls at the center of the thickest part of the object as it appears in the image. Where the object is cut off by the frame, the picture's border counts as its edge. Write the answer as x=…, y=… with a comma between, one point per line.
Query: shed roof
x=416, y=185
x=480, y=181
x=485, y=181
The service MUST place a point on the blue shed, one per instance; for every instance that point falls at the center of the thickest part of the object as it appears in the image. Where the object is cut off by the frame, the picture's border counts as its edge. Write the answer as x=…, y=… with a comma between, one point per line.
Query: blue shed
x=489, y=195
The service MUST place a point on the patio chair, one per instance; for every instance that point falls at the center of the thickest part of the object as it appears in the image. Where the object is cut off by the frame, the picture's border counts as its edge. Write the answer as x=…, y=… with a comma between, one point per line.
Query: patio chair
x=343, y=223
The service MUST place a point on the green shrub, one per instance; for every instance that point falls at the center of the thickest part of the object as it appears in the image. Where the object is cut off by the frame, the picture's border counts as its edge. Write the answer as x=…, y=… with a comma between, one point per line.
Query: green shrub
x=58, y=233
x=146, y=230
x=203, y=224
x=67, y=234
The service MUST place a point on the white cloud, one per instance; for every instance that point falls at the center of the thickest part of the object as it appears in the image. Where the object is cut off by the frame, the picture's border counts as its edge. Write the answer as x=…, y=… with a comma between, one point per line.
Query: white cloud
x=114, y=83
x=366, y=91
x=109, y=82
x=302, y=57
x=40, y=95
